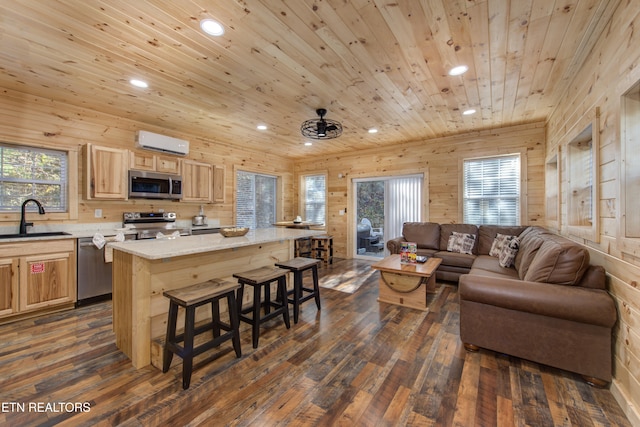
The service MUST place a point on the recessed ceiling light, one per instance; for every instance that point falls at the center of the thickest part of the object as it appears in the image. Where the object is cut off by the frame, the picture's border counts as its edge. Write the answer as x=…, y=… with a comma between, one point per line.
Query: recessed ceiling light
x=308, y=143
x=211, y=27
x=456, y=71
x=373, y=130
x=261, y=127
x=469, y=112
x=139, y=83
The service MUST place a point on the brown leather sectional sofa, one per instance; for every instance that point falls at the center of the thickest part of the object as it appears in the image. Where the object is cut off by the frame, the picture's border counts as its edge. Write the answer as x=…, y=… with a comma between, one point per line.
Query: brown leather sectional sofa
x=550, y=307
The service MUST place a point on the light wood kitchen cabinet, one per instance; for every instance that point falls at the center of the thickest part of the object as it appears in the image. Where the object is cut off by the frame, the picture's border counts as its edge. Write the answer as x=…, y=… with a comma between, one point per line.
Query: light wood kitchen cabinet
x=197, y=181
x=168, y=165
x=218, y=184
x=106, y=172
x=154, y=162
x=37, y=276
x=8, y=286
x=44, y=280
x=142, y=161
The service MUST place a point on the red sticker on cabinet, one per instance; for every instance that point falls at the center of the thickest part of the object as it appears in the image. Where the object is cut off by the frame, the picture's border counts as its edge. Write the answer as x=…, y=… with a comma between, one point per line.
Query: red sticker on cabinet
x=37, y=267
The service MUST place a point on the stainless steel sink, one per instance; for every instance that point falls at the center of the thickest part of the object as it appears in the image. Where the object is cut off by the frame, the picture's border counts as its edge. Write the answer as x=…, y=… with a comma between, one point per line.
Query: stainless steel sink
x=44, y=234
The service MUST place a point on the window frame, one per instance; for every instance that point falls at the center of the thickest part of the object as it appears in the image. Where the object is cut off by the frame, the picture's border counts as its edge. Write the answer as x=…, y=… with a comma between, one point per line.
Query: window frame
x=302, y=201
x=279, y=191
x=71, y=212
x=628, y=134
x=552, y=189
x=522, y=205
x=588, y=232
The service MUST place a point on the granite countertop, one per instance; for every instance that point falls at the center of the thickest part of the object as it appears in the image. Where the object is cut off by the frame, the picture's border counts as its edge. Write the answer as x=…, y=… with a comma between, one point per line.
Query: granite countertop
x=76, y=231
x=187, y=245
x=79, y=231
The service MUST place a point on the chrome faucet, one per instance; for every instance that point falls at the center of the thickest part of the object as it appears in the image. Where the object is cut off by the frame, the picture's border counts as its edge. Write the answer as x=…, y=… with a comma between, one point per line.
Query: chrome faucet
x=23, y=223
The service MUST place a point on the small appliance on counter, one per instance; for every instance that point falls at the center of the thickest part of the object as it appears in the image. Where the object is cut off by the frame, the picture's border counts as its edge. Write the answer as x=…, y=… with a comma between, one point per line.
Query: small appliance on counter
x=200, y=219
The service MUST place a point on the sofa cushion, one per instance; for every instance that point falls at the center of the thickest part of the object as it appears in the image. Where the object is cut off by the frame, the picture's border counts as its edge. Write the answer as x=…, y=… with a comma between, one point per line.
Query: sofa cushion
x=486, y=265
x=530, y=242
x=461, y=243
x=487, y=233
x=559, y=261
x=425, y=234
x=447, y=229
x=455, y=259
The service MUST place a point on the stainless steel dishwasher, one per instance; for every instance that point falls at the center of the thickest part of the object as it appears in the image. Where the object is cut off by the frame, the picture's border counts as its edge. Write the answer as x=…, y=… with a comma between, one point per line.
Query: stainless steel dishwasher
x=94, y=274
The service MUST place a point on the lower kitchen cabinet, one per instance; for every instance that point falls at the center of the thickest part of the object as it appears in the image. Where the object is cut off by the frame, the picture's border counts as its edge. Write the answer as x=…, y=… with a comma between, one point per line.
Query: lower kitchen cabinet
x=36, y=276
x=8, y=286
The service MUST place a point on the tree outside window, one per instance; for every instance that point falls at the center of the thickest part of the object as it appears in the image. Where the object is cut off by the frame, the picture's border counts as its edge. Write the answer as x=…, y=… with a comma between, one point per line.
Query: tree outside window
x=33, y=173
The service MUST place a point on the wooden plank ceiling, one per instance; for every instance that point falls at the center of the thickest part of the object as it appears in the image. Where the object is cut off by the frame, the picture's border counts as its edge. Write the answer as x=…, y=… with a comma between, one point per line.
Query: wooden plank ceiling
x=370, y=63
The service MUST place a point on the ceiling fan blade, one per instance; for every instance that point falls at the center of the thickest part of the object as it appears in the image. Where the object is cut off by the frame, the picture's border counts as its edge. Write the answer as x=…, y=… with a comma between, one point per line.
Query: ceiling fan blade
x=331, y=128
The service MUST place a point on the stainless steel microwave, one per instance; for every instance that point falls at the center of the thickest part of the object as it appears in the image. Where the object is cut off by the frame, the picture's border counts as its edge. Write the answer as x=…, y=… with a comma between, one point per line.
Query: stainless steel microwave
x=154, y=185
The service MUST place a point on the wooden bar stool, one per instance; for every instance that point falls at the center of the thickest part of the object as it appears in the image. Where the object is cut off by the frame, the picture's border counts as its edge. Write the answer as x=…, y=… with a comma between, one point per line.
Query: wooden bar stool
x=190, y=298
x=298, y=266
x=322, y=248
x=302, y=247
x=262, y=278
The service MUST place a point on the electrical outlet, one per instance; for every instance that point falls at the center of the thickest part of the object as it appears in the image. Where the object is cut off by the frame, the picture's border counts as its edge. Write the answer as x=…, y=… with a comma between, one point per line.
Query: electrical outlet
x=341, y=212
x=97, y=213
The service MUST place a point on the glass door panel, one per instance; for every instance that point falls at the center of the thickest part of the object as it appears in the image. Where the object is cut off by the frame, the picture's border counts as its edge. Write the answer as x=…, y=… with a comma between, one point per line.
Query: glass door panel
x=382, y=205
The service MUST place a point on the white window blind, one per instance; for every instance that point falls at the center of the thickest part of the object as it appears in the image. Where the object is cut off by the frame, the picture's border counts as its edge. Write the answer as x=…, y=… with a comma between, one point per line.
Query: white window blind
x=315, y=193
x=255, y=200
x=491, y=193
x=33, y=173
x=403, y=202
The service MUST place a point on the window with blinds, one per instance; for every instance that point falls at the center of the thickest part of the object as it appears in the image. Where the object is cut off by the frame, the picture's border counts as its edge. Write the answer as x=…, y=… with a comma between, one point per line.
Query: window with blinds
x=491, y=193
x=33, y=173
x=256, y=197
x=315, y=198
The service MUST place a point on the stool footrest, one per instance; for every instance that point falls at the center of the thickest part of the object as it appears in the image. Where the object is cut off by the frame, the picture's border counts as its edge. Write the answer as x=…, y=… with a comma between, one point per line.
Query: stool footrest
x=180, y=351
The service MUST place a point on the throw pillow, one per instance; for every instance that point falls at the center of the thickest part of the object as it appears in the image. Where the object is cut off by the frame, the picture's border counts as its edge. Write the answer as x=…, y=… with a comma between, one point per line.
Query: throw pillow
x=509, y=252
x=461, y=242
x=498, y=243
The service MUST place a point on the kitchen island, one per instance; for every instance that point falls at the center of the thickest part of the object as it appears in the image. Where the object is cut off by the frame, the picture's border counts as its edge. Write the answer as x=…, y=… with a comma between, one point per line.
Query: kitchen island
x=143, y=269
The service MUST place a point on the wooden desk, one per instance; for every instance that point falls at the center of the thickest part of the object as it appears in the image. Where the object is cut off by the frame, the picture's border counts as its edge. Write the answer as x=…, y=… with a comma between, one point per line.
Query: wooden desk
x=406, y=284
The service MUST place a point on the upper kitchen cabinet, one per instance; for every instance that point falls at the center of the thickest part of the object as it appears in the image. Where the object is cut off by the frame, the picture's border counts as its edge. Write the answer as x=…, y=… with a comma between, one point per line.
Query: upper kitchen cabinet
x=197, y=181
x=218, y=184
x=106, y=172
x=154, y=162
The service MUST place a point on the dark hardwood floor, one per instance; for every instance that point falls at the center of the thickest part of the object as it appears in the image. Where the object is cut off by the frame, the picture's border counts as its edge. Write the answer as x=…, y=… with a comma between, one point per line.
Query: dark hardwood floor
x=356, y=362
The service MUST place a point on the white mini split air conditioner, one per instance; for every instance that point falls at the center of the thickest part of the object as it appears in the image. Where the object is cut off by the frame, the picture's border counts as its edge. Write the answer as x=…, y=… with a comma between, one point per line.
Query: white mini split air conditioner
x=165, y=144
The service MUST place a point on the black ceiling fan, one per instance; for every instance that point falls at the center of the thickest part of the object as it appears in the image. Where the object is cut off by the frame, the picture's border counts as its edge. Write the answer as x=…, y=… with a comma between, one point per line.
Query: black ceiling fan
x=321, y=129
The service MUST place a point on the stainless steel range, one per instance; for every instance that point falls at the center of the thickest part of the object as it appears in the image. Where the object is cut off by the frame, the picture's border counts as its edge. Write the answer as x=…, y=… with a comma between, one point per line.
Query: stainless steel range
x=149, y=224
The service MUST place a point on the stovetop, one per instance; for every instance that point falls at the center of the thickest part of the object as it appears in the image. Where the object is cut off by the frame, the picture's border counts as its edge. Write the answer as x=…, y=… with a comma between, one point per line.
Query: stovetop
x=149, y=224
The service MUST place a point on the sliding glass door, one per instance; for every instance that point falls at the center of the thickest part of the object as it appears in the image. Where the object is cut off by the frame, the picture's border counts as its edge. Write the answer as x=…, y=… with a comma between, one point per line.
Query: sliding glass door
x=382, y=205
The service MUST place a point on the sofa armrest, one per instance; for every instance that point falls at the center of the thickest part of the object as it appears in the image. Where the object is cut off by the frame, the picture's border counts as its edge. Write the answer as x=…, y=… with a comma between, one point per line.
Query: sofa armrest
x=591, y=306
x=394, y=245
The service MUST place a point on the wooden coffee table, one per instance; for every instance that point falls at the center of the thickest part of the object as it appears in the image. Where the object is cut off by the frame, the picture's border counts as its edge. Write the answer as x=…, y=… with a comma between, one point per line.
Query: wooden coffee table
x=406, y=284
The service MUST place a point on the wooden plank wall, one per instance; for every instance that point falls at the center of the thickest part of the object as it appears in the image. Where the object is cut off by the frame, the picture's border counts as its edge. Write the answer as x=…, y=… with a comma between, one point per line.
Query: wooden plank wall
x=610, y=70
x=31, y=120
x=440, y=159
